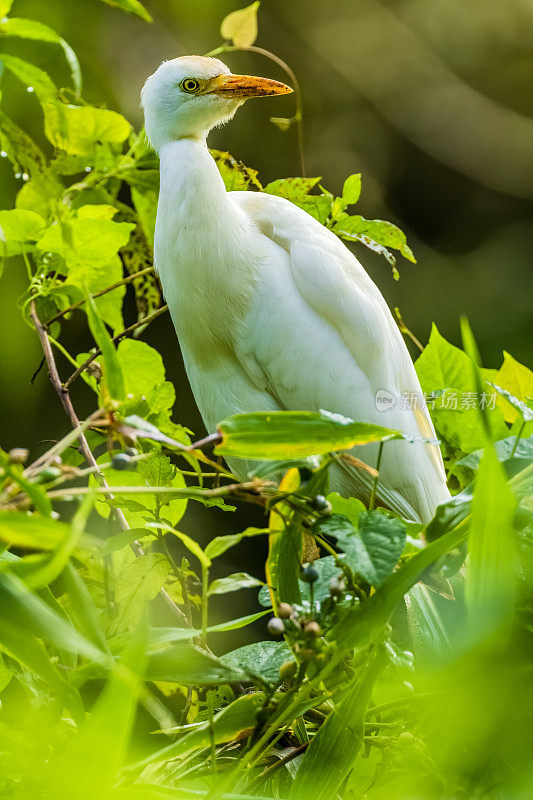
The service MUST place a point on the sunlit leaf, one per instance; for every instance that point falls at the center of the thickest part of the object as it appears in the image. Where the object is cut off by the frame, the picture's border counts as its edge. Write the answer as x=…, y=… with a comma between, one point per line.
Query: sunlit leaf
x=37, y=80
x=37, y=31
x=113, y=378
x=286, y=434
x=138, y=583
x=131, y=7
x=19, y=231
x=239, y=580
x=75, y=129
x=240, y=26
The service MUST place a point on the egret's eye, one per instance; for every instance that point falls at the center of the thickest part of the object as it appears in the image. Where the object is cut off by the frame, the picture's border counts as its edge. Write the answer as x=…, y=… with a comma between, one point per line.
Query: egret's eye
x=190, y=85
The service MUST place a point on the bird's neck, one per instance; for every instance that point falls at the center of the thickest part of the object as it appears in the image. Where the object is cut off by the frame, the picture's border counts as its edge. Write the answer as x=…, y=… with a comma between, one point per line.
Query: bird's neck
x=204, y=242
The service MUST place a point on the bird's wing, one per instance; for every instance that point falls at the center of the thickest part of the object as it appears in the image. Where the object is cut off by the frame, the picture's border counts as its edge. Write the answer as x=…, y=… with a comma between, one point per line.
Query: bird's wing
x=321, y=336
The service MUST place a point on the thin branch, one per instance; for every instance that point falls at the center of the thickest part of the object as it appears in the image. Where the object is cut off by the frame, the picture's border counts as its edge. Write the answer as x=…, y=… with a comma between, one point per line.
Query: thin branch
x=64, y=396
x=117, y=338
x=127, y=279
x=266, y=773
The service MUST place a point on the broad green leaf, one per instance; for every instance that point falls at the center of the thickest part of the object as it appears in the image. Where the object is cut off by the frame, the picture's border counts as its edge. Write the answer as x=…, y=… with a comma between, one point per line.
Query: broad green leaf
x=19, y=231
x=333, y=750
x=217, y=546
x=505, y=449
x=490, y=580
x=240, y=27
x=36, y=194
x=113, y=379
x=520, y=407
x=187, y=664
x=384, y=233
x=289, y=434
x=516, y=378
x=146, y=207
x=37, y=31
x=31, y=532
x=361, y=624
x=426, y=626
x=137, y=583
x=131, y=7
x=442, y=366
x=5, y=7
x=261, y=658
x=351, y=190
x=75, y=129
x=372, y=551
x=142, y=366
x=349, y=507
x=83, y=607
x=294, y=189
x=232, y=583
x=161, y=636
x=31, y=614
x=228, y=725
x=98, y=751
x=31, y=652
x=37, y=80
x=90, y=248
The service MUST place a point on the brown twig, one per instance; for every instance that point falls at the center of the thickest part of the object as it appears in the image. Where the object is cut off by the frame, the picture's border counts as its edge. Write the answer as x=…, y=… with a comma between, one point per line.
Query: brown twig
x=127, y=279
x=279, y=763
x=117, y=338
x=62, y=391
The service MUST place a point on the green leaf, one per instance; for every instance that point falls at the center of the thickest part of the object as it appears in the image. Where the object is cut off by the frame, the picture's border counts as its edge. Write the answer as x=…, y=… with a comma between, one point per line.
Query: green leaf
x=31, y=652
x=372, y=551
x=442, y=366
x=34, y=78
x=426, y=626
x=217, y=546
x=228, y=725
x=142, y=366
x=237, y=176
x=113, y=378
x=505, y=449
x=131, y=7
x=384, y=233
x=516, y=378
x=5, y=7
x=334, y=748
x=349, y=507
x=187, y=664
x=19, y=231
x=75, y=129
x=192, y=546
x=32, y=615
x=159, y=636
x=290, y=434
x=525, y=412
x=261, y=658
x=351, y=191
x=490, y=580
x=137, y=583
x=31, y=532
x=361, y=624
x=37, y=31
x=294, y=189
x=240, y=27
x=232, y=583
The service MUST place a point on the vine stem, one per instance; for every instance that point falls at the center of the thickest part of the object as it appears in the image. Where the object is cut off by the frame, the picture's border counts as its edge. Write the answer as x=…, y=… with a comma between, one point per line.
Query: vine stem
x=117, y=338
x=298, y=117
x=127, y=279
x=64, y=396
x=376, y=479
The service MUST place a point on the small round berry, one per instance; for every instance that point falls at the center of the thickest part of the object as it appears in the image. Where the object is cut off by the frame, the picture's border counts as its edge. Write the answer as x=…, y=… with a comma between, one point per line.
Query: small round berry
x=275, y=626
x=319, y=503
x=18, y=455
x=122, y=461
x=312, y=629
x=284, y=610
x=288, y=670
x=309, y=574
x=337, y=587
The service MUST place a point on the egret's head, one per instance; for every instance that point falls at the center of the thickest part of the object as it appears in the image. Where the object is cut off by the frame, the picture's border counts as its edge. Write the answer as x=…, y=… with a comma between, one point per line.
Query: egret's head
x=188, y=96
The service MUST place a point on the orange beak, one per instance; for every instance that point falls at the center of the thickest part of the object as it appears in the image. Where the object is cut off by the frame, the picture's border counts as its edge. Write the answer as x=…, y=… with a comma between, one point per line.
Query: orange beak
x=244, y=86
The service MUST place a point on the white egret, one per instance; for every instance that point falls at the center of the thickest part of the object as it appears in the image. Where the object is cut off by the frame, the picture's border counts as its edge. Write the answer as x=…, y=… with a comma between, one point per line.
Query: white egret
x=271, y=309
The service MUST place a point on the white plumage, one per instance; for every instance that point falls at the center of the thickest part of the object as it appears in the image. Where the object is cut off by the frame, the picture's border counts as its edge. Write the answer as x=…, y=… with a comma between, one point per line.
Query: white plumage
x=271, y=309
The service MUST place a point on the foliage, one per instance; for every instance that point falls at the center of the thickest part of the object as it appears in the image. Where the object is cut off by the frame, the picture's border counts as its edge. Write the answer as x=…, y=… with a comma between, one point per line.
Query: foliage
x=105, y=635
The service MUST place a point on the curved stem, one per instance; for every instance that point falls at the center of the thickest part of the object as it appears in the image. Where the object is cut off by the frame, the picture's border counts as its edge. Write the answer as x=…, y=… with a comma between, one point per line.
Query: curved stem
x=298, y=117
